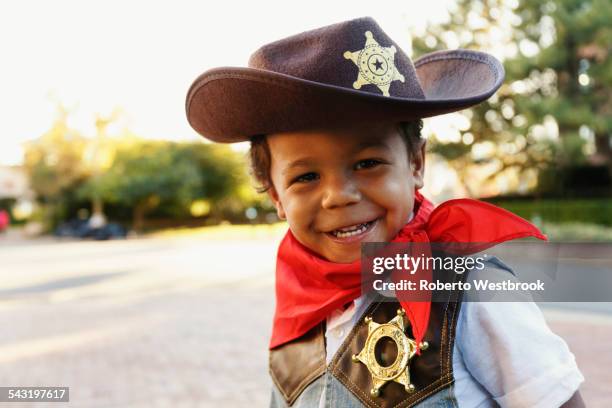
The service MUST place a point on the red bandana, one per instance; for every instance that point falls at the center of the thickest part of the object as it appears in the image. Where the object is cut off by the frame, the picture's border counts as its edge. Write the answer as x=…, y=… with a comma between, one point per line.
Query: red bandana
x=309, y=288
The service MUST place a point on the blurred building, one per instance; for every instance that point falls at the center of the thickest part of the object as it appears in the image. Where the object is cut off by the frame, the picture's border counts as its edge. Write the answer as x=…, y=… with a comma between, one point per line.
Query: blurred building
x=14, y=183
x=15, y=192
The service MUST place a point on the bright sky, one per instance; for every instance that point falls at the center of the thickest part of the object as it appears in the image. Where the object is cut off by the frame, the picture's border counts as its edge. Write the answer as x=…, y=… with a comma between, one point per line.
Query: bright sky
x=141, y=57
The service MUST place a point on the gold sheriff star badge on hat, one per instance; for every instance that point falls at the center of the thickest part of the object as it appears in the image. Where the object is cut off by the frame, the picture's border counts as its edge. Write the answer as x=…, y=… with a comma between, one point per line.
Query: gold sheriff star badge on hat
x=375, y=65
x=399, y=370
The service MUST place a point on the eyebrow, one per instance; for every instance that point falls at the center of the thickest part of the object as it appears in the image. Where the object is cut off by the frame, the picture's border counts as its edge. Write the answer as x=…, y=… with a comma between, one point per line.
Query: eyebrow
x=297, y=163
x=370, y=143
x=308, y=160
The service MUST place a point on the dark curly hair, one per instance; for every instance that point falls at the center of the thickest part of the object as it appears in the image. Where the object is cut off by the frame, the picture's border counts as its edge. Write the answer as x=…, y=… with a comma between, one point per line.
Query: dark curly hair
x=260, y=157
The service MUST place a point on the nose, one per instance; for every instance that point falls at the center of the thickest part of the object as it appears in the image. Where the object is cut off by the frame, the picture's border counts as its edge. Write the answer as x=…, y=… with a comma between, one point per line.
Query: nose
x=340, y=191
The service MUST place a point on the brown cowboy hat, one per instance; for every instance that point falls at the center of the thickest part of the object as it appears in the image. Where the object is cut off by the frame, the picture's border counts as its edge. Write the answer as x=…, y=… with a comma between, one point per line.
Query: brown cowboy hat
x=346, y=72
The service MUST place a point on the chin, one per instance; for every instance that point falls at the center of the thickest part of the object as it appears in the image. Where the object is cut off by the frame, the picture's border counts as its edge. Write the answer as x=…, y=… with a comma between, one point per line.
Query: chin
x=345, y=258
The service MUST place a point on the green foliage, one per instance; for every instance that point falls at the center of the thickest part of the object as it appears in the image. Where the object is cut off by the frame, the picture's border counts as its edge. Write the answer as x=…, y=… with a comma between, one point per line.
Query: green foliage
x=555, y=108
x=148, y=174
x=450, y=151
x=55, y=167
x=574, y=39
x=166, y=178
x=54, y=161
x=221, y=170
x=137, y=177
x=591, y=211
x=577, y=232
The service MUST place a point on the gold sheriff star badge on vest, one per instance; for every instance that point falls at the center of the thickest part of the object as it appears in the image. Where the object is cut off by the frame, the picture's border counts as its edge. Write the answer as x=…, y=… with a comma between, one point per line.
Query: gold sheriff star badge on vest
x=399, y=370
x=375, y=65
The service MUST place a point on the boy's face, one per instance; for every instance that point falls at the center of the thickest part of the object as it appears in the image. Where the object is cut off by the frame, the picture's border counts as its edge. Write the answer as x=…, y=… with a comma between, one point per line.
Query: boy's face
x=338, y=188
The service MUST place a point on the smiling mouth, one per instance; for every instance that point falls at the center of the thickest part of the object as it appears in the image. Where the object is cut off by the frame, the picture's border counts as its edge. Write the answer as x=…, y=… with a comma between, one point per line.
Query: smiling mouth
x=353, y=230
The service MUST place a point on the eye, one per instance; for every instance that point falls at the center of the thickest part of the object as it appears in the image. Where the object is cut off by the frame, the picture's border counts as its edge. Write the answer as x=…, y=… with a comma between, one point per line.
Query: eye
x=305, y=178
x=367, y=163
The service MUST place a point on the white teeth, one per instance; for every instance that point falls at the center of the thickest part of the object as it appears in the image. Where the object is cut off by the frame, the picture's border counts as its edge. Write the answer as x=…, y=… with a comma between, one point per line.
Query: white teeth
x=351, y=231
x=351, y=228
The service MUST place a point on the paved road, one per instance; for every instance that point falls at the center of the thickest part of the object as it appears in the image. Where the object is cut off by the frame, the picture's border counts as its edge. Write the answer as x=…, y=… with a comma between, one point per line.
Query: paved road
x=179, y=322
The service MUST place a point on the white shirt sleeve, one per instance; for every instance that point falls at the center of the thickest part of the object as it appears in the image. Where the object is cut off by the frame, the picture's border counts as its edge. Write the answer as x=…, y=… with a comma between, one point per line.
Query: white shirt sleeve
x=509, y=349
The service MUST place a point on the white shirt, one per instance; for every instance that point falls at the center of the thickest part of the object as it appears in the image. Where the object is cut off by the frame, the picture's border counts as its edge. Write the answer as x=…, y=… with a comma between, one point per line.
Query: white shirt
x=504, y=353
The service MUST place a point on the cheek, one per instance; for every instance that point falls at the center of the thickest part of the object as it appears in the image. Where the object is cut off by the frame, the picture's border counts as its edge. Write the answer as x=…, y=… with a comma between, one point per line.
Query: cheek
x=397, y=197
x=396, y=190
x=300, y=211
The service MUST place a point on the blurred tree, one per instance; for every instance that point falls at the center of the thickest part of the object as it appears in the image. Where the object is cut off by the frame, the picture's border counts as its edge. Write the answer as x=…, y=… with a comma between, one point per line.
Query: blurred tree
x=221, y=170
x=167, y=178
x=574, y=41
x=556, y=104
x=98, y=158
x=132, y=175
x=225, y=182
x=54, y=165
x=145, y=175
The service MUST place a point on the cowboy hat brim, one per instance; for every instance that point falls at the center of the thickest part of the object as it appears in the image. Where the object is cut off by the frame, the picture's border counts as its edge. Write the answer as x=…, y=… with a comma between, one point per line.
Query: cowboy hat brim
x=233, y=104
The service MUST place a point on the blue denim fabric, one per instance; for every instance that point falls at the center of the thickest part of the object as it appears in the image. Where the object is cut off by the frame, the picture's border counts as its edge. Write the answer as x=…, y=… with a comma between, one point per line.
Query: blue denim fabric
x=337, y=395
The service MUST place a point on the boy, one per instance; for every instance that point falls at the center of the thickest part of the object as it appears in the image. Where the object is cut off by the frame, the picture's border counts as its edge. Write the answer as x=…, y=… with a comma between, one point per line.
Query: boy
x=334, y=120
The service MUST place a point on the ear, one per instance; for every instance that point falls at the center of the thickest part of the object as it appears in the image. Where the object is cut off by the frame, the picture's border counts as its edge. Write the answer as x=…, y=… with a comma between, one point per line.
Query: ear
x=417, y=165
x=280, y=211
